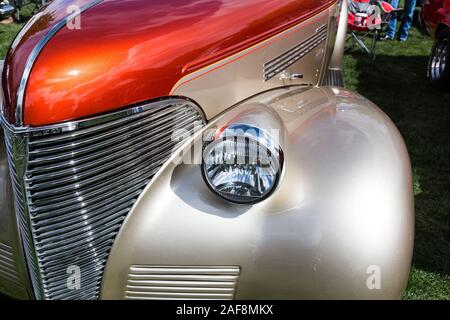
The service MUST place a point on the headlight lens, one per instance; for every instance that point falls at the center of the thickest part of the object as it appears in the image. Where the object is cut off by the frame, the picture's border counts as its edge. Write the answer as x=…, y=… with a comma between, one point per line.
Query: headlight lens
x=242, y=164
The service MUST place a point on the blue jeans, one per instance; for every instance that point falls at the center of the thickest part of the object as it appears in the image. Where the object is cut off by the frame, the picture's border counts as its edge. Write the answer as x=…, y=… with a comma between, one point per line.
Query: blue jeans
x=410, y=6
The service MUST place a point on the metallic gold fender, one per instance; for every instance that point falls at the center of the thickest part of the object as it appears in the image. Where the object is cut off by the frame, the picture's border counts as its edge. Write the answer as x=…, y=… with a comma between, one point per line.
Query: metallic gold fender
x=340, y=224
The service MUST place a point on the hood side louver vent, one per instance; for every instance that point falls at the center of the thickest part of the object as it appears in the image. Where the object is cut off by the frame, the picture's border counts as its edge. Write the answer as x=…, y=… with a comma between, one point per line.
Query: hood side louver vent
x=182, y=282
x=287, y=59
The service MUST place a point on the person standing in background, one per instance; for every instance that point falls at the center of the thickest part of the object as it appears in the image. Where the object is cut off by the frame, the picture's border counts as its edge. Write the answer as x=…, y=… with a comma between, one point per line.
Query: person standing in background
x=408, y=15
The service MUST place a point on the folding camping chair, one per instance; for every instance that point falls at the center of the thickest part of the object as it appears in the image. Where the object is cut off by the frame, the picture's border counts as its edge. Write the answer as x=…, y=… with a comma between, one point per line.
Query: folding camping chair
x=366, y=18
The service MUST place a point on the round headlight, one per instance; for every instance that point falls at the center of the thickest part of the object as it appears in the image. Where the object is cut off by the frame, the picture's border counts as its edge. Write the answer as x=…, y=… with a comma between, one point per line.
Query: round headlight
x=242, y=164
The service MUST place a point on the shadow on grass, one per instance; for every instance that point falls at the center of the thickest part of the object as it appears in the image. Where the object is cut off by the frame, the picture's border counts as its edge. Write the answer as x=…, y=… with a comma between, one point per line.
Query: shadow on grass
x=399, y=86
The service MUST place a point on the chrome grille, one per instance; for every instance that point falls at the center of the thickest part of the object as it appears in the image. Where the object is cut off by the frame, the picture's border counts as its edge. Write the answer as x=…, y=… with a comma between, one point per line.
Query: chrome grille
x=182, y=282
x=17, y=150
x=287, y=59
x=82, y=179
x=7, y=268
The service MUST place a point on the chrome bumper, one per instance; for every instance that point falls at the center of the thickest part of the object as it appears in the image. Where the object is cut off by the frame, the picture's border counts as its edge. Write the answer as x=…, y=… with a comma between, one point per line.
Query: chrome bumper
x=14, y=279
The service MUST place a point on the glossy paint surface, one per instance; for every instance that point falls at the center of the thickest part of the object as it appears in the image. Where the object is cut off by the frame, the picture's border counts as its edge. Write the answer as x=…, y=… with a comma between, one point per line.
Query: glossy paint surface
x=343, y=207
x=25, y=42
x=232, y=80
x=434, y=13
x=130, y=51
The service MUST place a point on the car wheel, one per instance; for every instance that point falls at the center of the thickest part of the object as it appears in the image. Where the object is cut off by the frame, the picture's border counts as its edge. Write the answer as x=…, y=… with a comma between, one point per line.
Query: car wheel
x=438, y=65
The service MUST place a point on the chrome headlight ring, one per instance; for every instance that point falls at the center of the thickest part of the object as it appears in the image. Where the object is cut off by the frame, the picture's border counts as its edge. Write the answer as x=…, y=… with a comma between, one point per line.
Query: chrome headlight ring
x=242, y=164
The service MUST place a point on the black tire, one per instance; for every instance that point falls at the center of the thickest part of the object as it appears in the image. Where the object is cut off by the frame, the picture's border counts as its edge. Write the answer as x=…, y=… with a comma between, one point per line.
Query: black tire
x=438, y=71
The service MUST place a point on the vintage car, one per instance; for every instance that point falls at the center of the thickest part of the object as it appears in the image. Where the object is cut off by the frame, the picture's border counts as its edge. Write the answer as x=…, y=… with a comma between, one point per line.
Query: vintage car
x=198, y=149
x=435, y=16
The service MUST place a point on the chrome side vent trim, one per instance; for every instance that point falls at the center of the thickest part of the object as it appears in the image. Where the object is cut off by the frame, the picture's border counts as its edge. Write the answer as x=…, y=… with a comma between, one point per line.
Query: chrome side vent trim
x=334, y=78
x=76, y=182
x=287, y=59
x=7, y=267
x=182, y=282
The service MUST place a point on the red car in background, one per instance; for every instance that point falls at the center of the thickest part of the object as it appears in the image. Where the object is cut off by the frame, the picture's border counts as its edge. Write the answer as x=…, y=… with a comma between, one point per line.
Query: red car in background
x=435, y=16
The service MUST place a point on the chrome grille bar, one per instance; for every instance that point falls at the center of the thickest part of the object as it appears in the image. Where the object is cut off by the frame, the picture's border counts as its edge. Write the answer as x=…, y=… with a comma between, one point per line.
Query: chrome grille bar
x=17, y=150
x=75, y=183
x=7, y=267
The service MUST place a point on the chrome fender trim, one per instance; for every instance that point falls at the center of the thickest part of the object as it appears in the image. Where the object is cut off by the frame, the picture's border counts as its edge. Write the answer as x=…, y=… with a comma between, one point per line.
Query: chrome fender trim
x=343, y=212
x=333, y=74
x=339, y=46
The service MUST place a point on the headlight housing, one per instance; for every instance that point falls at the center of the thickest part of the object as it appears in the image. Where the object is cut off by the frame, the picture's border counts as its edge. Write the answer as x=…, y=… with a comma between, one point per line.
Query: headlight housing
x=242, y=164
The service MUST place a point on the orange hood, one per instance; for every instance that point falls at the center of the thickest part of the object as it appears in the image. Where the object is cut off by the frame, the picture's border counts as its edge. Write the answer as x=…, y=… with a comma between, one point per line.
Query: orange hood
x=126, y=52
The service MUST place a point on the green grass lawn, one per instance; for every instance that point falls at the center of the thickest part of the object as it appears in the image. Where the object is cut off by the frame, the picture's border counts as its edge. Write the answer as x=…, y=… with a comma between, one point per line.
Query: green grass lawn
x=9, y=31
x=7, y=34
x=396, y=81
